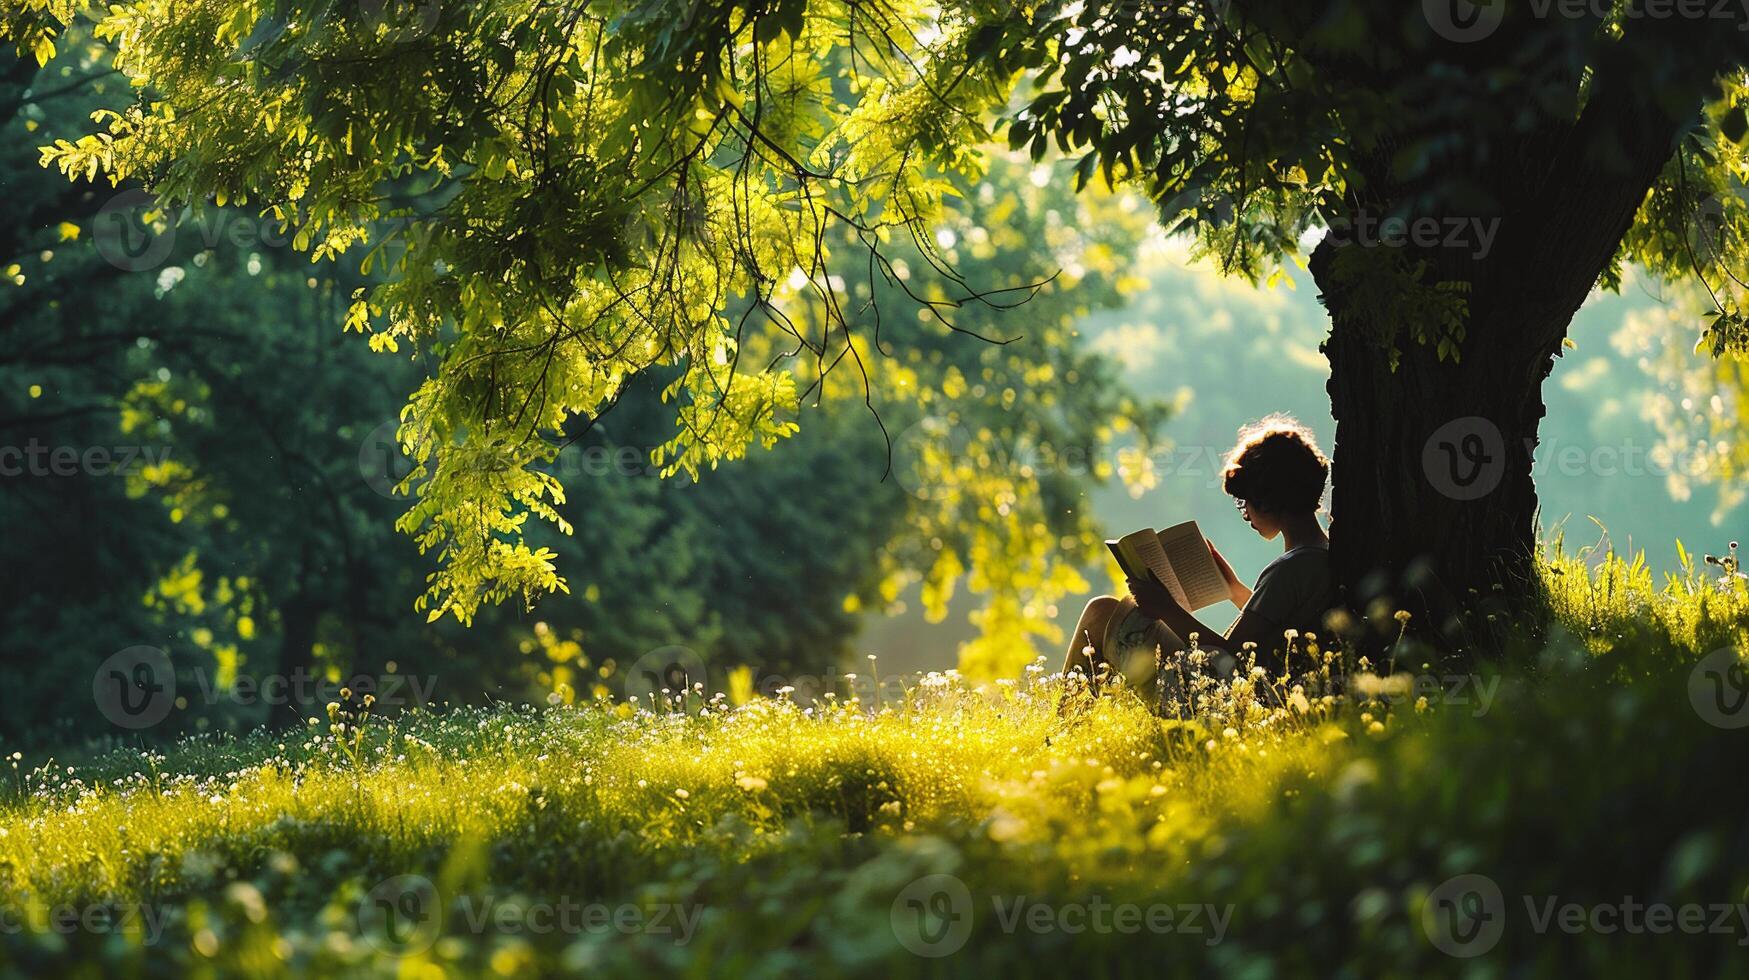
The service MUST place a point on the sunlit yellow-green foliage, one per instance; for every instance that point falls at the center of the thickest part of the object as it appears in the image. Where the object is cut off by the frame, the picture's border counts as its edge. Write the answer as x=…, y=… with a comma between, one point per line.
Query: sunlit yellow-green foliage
x=561, y=198
x=1693, y=229
x=263, y=847
x=1050, y=774
x=712, y=226
x=923, y=752
x=1700, y=405
x=1611, y=600
x=997, y=449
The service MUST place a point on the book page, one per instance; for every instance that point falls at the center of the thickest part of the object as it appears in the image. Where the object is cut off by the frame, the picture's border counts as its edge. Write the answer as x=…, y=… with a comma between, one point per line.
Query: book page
x=1144, y=547
x=1198, y=576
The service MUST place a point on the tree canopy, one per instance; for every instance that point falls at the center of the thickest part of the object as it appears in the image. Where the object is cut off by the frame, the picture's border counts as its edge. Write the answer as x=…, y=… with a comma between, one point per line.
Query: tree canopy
x=263, y=536
x=568, y=213
x=562, y=197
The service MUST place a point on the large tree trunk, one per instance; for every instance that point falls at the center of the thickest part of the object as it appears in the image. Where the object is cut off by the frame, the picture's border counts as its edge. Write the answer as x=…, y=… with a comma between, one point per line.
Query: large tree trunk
x=1433, y=507
x=1433, y=504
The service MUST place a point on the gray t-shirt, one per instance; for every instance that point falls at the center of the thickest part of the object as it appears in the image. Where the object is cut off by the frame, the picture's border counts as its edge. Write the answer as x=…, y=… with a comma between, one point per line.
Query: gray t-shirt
x=1295, y=590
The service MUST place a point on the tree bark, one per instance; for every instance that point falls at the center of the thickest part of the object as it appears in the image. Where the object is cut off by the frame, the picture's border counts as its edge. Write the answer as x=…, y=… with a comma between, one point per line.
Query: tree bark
x=1433, y=503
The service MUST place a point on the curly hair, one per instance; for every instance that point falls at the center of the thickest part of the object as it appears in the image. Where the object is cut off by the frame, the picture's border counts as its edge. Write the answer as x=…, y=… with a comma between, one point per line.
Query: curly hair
x=1276, y=466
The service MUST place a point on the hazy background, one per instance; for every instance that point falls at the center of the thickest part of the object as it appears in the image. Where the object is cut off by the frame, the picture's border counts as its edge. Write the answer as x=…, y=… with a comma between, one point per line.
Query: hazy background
x=1229, y=353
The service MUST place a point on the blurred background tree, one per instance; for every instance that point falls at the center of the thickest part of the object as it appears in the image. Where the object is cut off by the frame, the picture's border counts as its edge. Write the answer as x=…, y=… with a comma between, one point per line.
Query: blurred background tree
x=258, y=542
x=254, y=533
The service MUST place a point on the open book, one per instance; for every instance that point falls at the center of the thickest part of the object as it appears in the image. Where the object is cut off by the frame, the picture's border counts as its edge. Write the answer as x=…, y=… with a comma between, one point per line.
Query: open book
x=1179, y=557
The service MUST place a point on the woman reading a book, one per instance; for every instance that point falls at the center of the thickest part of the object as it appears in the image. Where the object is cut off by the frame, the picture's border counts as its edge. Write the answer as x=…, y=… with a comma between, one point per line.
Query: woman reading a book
x=1276, y=475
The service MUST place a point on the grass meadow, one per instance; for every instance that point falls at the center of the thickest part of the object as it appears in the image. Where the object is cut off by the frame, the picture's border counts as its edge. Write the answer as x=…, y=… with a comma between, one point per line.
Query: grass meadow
x=1579, y=809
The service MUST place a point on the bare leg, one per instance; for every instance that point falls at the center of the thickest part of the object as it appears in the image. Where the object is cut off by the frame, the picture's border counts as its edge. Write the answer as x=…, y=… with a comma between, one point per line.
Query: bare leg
x=1090, y=631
